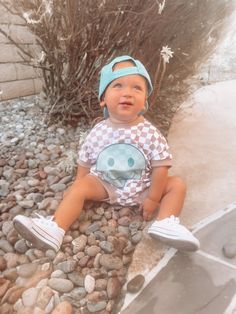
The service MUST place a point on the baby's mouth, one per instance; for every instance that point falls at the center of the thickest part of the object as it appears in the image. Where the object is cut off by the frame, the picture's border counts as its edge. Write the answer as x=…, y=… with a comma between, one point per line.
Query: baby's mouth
x=126, y=103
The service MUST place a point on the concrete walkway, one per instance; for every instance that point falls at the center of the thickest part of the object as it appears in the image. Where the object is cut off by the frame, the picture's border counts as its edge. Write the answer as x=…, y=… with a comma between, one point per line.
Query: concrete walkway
x=202, y=140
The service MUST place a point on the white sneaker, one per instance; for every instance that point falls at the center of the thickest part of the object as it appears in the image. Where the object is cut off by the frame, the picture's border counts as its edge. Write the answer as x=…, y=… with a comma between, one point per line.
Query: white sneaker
x=43, y=233
x=170, y=231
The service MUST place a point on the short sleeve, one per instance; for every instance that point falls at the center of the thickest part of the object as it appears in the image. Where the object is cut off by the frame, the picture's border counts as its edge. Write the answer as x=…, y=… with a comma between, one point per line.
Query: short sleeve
x=160, y=152
x=84, y=154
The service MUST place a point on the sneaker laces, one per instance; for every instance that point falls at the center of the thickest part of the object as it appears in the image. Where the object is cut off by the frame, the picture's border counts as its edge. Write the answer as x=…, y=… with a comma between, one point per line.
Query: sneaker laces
x=173, y=219
x=47, y=221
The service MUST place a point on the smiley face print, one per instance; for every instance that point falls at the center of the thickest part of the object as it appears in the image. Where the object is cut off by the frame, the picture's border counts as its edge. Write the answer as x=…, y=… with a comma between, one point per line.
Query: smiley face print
x=118, y=163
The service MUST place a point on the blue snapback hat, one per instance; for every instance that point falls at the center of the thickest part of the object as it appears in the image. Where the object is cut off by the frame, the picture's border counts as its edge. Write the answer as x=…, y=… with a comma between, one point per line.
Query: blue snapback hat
x=108, y=74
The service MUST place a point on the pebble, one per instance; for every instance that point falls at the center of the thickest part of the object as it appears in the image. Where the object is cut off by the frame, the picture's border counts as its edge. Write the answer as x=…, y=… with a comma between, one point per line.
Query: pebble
x=87, y=274
x=44, y=297
x=6, y=246
x=3, y=263
x=113, y=287
x=63, y=308
x=135, y=284
x=89, y=283
x=60, y=284
x=110, y=262
x=67, y=266
x=26, y=270
x=20, y=246
x=229, y=249
x=29, y=296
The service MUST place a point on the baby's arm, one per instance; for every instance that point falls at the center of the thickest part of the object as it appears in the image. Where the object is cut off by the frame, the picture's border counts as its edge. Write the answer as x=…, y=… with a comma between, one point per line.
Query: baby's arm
x=82, y=172
x=156, y=190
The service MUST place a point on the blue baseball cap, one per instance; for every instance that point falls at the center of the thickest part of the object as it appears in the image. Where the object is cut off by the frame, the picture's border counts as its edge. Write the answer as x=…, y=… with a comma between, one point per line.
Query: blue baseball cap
x=108, y=74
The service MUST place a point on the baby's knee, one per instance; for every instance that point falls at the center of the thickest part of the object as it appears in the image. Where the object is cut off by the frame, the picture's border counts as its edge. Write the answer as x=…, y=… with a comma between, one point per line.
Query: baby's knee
x=178, y=183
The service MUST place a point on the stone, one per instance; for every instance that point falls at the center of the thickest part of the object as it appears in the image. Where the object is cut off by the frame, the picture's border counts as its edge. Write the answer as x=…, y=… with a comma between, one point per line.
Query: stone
x=7, y=227
x=60, y=284
x=29, y=297
x=12, y=236
x=12, y=259
x=93, y=227
x=4, y=188
x=79, y=243
x=63, y=308
x=124, y=221
x=50, y=306
x=26, y=204
x=26, y=270
x=101, y=284
x=113, y=287
x=44, y=297
x=13, y=294
x=106, y=246
x=78, y=293
x=37, y=310
x=89, y=283
x=3, y=263
x=10, y=274
x=67, y=266
x=93, y=250
x=58, y=187
x=135, y=284
x=96, y=306
x=4, y=284
x=136, y=238
x=77, y=278
x=20, y=246
x=6, y=308
x=229, y=249
x=6, y=246
x=110, y=262
x=58, y=274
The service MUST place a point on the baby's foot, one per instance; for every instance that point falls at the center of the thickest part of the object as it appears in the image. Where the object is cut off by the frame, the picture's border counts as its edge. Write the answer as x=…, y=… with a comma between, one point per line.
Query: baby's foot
x=43, y=233
x=170, y=231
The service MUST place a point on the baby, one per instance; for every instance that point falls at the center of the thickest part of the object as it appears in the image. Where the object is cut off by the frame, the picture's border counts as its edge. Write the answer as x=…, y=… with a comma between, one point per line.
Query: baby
x=124, y=160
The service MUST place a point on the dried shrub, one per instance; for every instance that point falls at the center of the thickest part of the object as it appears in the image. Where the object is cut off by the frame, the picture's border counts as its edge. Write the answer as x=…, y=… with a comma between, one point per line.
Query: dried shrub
x=77, y=37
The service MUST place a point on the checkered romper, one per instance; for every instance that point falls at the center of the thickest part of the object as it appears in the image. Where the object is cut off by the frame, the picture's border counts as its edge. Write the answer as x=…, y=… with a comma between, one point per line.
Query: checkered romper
x=143, y=136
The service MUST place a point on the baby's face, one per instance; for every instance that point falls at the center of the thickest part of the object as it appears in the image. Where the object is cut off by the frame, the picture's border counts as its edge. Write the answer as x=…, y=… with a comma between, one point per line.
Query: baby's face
x=125, y=97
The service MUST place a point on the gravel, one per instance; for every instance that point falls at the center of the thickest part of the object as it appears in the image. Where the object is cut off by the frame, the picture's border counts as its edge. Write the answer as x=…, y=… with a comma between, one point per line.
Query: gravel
x=37, y=164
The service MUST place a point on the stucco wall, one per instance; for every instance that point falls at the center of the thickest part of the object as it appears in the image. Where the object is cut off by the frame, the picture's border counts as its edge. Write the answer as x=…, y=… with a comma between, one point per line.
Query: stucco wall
x=16, y=79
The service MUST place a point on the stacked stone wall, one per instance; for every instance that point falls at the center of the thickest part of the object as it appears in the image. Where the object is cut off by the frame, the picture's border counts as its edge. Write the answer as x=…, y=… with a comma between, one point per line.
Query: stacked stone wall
x=16, y=77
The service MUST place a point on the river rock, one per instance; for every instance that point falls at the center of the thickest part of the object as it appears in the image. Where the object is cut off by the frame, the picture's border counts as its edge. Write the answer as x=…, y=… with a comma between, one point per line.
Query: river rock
x=135, y=284
x=113, y=287
x=44, y=297
x=67, y=266
x=63, y=308
x=229, y=249
x=26, y=270
x=89, y=283
x=96, y=306
x=60, y=284
x=29, y=296
x=3, y=263
x=6, y=246
x=111, y=262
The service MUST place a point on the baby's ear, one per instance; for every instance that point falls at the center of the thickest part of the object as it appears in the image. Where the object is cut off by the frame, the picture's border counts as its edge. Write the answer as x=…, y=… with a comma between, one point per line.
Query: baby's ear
x=102, y=103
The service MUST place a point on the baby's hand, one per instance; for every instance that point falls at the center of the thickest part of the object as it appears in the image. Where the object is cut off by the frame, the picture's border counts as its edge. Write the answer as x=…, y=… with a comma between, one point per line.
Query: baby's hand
x=148, y=208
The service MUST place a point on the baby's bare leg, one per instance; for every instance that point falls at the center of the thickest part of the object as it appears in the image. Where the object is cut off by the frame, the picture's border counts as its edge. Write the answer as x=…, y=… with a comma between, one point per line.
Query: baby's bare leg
x=173, y=198
x=86, y=188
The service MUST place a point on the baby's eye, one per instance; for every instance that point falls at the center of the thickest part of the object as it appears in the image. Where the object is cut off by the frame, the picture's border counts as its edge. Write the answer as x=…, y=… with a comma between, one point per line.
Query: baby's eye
x=130, y=162
x=111, y=162
x=137, y=87
x=117, y=85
